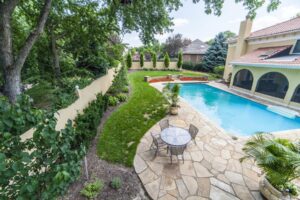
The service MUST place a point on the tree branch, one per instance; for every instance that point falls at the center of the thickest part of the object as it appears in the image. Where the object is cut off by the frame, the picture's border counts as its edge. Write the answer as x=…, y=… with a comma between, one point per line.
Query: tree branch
x=33, y=36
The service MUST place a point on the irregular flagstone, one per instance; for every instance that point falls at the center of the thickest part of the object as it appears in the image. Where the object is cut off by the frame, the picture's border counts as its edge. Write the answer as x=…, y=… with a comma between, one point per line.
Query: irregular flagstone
x=219, y=164
x=167, y=197
x=153, y=188
x=167, y=183
x=221, y=185
x=204, y=187
x=196, y=198
x=212, y=150
x=201, y=171
x=234, y=166
x=196, y=156
x=147, y=176
x=223, y=178
x=218, y=194
x=251, y=184
x=183, y=191
x=225, y=154
x=235, y=177
x=257, y=195
x=242, y=192
x=187, y=168
x=139, y=164
x=207, y=156
x=191, y=184
x=174, y=193
x=157, y=168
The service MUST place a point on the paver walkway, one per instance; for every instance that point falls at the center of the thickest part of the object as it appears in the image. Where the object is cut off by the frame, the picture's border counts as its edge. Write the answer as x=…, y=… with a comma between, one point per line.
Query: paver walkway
x=211, y=169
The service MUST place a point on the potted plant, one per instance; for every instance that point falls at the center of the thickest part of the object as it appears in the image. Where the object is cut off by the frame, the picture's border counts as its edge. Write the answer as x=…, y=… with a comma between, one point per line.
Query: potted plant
x=172, y=95
x=279, y=159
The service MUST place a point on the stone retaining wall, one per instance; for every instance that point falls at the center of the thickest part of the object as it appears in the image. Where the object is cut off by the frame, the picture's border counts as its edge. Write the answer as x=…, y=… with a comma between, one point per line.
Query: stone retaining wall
x=149, y=65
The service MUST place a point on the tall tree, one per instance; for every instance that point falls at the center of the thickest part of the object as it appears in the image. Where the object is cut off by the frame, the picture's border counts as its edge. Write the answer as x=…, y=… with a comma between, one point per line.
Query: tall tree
x=174, y=43
x=216, y=53
x=13, y=64
x=227, y=35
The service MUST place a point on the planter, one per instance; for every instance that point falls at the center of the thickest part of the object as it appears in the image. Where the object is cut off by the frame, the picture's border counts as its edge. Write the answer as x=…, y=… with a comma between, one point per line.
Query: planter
x=270, y=192
x=174, y=110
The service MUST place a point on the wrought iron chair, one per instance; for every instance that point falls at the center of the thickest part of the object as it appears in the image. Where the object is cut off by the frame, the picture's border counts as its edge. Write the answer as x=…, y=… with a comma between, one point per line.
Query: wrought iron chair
x=157, y=143
x=164, y=124
x=193, y=130
x=176, y=151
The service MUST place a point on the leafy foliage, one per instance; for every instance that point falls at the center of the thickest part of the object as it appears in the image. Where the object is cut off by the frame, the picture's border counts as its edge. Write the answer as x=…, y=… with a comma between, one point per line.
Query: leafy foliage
x=193, y=67
x=216, y=53
x=91, y=190
x=174, y=43
x=167, y=60
x=120, y=82
x=116, y=183
x=171, y=92
x=121, y=97
x=278, y=158
x=113, y=101
x=219, y=70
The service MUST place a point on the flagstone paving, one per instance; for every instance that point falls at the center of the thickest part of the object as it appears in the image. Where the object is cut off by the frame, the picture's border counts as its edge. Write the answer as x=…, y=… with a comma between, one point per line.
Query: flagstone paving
x=211, y=169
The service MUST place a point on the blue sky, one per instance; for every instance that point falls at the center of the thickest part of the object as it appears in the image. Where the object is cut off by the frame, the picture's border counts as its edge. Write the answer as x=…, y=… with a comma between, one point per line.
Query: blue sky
x=192, y=22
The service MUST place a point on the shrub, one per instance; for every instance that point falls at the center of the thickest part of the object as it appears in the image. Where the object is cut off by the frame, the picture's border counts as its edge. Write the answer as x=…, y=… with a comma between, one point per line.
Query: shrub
x=119, y=82
x=167, y=60
x=92, y=190
x=125, y=89
x=129, y=61
x=219, y=70
x=121, y=97
x=278, y=158
x=116, y=183
x=142, y=59
x=179, y=62
x=193, y=67
x=113, y=101
x=154, y=59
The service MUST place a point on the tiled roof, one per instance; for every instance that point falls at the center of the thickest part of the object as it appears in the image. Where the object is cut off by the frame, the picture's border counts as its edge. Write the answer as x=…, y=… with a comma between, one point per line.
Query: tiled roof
x=291, y=25
x=270, y=55
x=196, y=47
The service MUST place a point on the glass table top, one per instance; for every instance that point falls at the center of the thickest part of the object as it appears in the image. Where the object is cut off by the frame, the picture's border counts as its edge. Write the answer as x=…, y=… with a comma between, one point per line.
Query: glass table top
x=175, y=136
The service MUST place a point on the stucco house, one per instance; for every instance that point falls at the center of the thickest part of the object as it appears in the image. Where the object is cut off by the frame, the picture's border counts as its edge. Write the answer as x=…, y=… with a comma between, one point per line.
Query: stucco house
x=266, y=63
x=194, y=52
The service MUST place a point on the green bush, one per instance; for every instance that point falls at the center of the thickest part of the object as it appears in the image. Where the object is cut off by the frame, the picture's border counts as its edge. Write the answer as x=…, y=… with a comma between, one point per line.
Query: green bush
x=86, y=123
x=116, y=183
x=122, y=97
x=125, y=89
x=129, y=61
x=92, y=190
x=219, y=70
x=193, y=67
x=113, y=101
x=154, y=59
x=167, y=60
x=120, y=81
x=142, y=59
x=180, y=60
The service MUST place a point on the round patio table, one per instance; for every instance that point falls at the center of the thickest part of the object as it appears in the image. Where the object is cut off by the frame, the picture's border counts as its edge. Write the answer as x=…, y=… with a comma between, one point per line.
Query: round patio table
x=175, y=136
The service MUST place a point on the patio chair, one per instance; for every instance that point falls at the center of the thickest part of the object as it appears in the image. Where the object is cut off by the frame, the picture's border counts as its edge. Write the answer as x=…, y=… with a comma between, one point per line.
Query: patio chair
x=193, y=130
x=157, y=143
x=164, y=124
x=176, y=151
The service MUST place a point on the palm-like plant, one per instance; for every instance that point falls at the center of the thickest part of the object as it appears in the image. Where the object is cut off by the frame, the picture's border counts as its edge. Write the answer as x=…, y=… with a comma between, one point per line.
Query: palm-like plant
x=172, y=94
x=278, y=158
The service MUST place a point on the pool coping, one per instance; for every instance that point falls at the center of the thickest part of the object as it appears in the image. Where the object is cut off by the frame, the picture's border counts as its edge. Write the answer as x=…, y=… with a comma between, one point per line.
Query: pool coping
x=288, y=134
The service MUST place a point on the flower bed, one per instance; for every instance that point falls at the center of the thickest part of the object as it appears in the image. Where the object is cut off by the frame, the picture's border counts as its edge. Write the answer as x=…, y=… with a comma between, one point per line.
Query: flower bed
x=164, y=79
x=204, y=78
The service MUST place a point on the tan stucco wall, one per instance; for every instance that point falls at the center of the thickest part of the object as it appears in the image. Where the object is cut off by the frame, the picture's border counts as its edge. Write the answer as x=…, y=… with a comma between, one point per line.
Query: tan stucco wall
x=230, y=57
x=293, y=76
x=252, y=46
x=194, y=58
x=86, y=95
x=149, y=65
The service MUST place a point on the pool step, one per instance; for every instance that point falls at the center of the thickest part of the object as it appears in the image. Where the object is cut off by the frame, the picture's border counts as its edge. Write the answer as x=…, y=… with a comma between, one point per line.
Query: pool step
x=283, y=111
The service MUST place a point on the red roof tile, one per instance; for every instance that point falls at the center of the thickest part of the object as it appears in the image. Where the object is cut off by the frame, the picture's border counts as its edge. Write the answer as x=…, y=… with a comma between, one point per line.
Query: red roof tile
x=291, y=25
x=269, y=56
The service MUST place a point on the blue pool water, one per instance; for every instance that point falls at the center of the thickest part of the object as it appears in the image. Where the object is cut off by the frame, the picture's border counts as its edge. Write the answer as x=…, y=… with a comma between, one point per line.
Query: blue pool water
x=235, y=114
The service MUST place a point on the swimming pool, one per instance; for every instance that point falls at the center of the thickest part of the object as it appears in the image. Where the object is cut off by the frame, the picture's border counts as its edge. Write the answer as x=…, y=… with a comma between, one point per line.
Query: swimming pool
x=235, y=114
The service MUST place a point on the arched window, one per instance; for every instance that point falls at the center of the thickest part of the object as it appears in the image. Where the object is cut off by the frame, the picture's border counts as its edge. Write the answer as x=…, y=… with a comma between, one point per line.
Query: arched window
x=243, y=79
x=296, y=96
x=273, y=84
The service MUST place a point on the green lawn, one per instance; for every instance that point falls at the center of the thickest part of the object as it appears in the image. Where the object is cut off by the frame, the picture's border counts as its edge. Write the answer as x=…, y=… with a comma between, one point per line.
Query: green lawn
x=126, y=126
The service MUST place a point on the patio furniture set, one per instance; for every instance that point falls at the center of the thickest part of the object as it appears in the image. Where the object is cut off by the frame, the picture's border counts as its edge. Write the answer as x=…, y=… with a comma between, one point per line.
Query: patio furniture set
x=173, y=139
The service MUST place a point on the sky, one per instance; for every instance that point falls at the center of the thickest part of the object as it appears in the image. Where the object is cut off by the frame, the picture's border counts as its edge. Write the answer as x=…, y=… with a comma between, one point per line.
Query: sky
x=192, y=22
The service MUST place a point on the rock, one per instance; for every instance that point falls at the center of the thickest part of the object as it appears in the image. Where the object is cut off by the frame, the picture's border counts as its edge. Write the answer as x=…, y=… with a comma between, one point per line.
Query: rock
x=218, y=194
x=221, y=185
x=242, y=192
x=147, y=176
x=201, y=171
x=187, y=169
x=139, y=164
x=234, y=177
x=153, y=188
x=203, y=187
x=183, y=192
x=196, y=156
x=191, y=184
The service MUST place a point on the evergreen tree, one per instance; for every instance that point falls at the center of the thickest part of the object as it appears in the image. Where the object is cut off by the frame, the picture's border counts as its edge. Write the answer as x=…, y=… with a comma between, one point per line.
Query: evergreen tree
x=179, y=62
x=167, y=60
x=129, y=60
x=216, y=53
x=142, y=59
x=154, y=59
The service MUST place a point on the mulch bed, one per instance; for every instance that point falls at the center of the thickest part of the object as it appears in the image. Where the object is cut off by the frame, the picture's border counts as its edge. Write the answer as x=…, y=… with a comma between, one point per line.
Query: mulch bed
x=193, y=79
x=101, y=169
x=160, y=80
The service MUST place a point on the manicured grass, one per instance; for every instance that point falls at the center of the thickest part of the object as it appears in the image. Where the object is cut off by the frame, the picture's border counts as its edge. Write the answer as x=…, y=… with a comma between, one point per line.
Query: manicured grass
x=126, y=126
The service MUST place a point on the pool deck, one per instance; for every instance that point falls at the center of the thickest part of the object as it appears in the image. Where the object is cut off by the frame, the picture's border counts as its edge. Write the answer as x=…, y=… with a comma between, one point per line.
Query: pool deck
x=211, y=170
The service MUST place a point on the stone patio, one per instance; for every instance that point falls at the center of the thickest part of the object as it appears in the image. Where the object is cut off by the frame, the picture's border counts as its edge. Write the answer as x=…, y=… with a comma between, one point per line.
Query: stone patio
x=211, y=169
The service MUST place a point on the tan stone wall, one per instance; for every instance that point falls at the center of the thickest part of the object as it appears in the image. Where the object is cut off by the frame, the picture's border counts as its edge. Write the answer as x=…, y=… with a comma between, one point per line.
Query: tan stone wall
x=149, y=65
x=194, y=58
x=86, y=95
x=291, y=74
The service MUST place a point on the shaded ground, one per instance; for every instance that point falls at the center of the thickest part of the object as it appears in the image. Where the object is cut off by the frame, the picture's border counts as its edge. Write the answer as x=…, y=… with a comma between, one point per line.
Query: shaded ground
x=97, y=168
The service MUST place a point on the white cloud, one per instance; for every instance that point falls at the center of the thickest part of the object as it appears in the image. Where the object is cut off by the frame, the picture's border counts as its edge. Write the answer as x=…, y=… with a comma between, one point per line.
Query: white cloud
x=178, y=22
x=280, y=15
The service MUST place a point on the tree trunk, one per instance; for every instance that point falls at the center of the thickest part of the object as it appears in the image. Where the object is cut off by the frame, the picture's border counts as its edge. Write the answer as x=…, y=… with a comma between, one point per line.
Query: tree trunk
x=12, y=68
x=55, y=56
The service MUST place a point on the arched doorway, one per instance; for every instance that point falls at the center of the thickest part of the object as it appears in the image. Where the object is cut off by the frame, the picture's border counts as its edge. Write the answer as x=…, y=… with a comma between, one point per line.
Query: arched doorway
x=296, y=96
x=273, y=84
x=243, y=79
